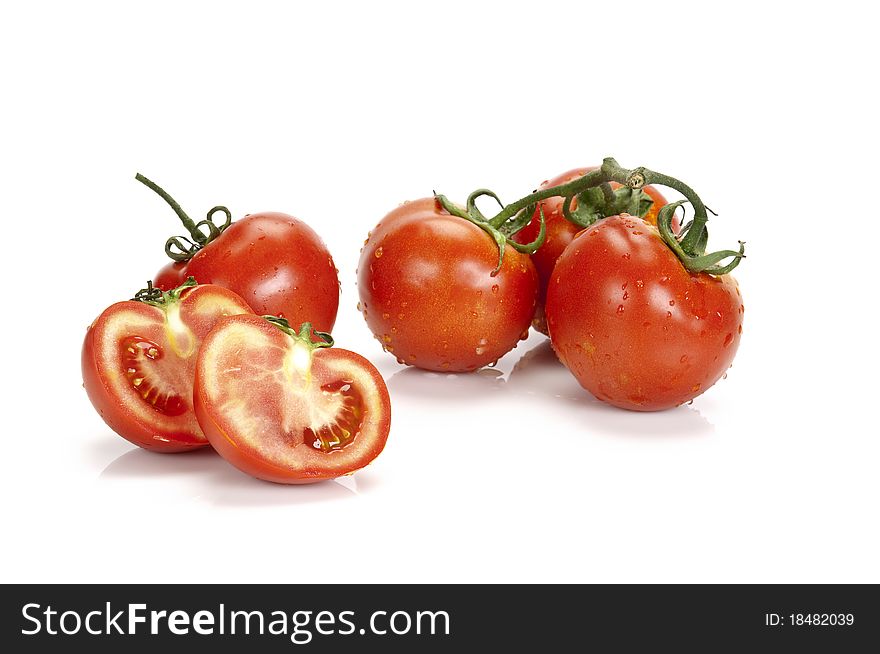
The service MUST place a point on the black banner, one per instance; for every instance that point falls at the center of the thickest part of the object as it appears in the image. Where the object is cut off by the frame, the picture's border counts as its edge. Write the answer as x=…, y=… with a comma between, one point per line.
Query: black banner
x=436, y=618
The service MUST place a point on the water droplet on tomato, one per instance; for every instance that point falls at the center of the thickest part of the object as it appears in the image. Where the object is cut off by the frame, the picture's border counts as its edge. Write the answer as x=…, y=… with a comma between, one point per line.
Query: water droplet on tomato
x=683, y=359
x=620, y=309
x=728, y=340
x=669, y=314
x=672, y=303
x=400, y=316
x=625, y=295
x=695, y=388
x=378, y=252
x=386, y=338
x=494, y=288
x=740, y=329
x=479, y=350
x=386, y=316
x=474, y=314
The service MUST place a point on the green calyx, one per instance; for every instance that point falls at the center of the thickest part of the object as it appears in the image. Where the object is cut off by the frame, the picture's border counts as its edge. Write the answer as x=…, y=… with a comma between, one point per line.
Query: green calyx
x=597, y=200
x=158, y=298
x=182, y=248
x=304, y=334
x=501, y=231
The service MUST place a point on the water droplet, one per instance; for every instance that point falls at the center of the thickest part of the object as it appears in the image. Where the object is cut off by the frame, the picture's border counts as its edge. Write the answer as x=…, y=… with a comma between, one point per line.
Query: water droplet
x=740, y=329
x=695, y=388
x=484, y=341
x=640, y=283
x=683, y=359
x=474, y=314
x=728, y=340
x=625, y=295
x=672, y=303
x=400, y=316
x=620, y=309
x=386, y=316
x=479, y=293
x=669, y=314
x=479, y=350
x=494, y=288
x=378, y=252
x=386, y=338
x=724, y=376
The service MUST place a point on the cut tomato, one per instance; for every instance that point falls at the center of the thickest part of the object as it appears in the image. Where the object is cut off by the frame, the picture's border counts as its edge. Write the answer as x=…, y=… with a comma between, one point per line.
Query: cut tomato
x=138, y=363
x=283, y=408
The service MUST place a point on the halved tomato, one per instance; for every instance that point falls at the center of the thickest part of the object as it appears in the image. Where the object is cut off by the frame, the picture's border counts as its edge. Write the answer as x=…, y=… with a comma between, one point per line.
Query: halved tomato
x=284, y=408
x=139, y=358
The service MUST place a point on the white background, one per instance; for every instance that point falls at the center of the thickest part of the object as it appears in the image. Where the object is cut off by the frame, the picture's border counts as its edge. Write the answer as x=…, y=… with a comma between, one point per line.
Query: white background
x=337, y=112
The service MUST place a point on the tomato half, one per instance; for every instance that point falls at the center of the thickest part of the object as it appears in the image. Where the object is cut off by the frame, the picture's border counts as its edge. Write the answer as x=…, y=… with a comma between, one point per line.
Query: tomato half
x=277, y=263
x=633, y=325
x=429, y=294
x=281, y=409
x=560, y=233
x=138, y=364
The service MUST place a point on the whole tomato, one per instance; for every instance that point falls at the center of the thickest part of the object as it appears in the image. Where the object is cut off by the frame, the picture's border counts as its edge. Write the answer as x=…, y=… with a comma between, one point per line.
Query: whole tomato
x=561, y=231
x=631, y=323
x=277, y=263
x=430, y=294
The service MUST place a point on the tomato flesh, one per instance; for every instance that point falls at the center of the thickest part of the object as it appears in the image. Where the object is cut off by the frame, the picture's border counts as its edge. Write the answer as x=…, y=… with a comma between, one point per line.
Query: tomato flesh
x=138, y=364
x=285, y=412
x=633, y=325
x=140, y=358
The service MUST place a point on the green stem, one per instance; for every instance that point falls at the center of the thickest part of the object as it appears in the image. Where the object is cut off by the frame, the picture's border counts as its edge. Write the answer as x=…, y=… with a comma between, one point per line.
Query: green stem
x=188, y=222
x=592, y=178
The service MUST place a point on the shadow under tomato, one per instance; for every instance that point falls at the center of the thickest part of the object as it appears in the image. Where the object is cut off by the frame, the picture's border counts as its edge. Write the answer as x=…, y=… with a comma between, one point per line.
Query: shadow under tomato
x=217, y=482
x=540, y=373
x=443, y=387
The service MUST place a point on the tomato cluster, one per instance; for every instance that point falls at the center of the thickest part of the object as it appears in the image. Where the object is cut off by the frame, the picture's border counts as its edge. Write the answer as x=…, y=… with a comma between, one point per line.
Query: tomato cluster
x=595, y=258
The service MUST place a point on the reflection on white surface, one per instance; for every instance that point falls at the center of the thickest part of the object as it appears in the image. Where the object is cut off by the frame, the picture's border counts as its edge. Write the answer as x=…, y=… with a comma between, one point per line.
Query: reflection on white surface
x=538, y=373
x=209, y=478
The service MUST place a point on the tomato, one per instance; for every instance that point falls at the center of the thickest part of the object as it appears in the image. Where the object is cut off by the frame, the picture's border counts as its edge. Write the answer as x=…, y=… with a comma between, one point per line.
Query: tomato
x=429, y=295
x=277, y=263
x=287, y=410
x=560, y=233
x=138, y=364
x=636, y=328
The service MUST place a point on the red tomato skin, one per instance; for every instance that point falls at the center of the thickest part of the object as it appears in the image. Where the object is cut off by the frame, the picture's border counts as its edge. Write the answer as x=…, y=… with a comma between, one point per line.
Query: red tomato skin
x=428, y=295
x=277, y=263
x=636, y=328
x=560, y=232
x=170, y=276
x=117, y=414
x=243, y=458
